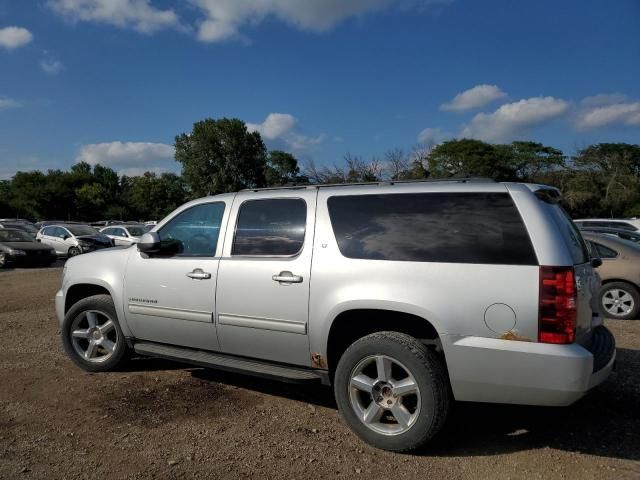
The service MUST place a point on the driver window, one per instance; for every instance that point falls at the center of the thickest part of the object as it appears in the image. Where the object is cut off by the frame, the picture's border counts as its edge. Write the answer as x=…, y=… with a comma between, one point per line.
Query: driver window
x=194, y=232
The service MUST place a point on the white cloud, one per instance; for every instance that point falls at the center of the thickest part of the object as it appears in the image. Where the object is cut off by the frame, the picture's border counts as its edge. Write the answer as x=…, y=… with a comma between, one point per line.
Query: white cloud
x=281, y=127
x=432, y=136
x=14, y=37
x=513, y=119
x=608, y=109
x=475, y=97
x=137, y=14
x=51, y=66
x=274, y=126
x=224, y=18
x=6, y=103
x=133, y=157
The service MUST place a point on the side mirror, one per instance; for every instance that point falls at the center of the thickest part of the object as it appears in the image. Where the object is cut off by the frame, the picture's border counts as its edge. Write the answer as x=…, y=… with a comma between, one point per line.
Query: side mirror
x=149, y=243
x=596, y=262
x=64, y=237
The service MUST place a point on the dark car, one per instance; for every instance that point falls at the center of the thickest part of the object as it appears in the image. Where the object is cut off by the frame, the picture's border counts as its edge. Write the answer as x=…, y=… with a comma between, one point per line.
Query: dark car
x=28, y=227
x=18, y=248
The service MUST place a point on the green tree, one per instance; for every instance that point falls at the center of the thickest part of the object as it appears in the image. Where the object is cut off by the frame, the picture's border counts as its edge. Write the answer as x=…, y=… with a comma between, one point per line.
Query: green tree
x=282, y=169
x=471, y=158
x=221, y=156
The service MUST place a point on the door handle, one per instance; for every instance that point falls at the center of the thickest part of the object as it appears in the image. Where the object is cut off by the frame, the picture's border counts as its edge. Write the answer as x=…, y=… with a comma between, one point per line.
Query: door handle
x=287, y=277
x=199, y=274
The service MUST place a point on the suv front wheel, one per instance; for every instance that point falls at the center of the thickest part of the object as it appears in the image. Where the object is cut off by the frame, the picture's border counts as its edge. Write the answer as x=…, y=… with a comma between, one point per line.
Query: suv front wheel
x=392, y=391
x=91, y=335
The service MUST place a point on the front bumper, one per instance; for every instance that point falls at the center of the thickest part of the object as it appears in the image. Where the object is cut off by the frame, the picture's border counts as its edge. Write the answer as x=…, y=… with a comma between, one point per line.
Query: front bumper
x=528, y=373
x=60, y=306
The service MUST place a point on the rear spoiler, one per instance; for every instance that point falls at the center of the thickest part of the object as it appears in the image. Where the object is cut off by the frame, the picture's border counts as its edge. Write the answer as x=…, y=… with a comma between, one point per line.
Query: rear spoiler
x=546, y=193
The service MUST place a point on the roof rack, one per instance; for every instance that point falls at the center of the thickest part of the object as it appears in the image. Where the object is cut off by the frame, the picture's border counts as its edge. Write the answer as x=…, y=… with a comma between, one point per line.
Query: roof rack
x=381, y=183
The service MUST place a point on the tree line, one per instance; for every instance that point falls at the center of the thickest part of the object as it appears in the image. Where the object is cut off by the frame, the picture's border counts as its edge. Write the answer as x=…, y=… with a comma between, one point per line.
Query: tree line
x=221, y=155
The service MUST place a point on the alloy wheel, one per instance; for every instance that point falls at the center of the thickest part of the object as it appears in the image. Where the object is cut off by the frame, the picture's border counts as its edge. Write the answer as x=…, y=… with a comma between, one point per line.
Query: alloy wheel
x=384, y=395
x=94, y=336
x=618, y=302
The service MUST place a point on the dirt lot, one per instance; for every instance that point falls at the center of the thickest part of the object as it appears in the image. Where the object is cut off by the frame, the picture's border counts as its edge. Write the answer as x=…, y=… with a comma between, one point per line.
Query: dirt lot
x=163, y=420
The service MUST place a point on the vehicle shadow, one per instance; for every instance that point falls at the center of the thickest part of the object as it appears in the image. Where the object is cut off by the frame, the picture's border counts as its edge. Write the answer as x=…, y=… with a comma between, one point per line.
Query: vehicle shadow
x=605, y=423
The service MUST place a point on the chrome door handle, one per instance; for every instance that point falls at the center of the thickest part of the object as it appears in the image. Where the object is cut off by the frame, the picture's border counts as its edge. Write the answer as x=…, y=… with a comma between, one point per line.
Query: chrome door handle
x=199, y=274
x=287, y=277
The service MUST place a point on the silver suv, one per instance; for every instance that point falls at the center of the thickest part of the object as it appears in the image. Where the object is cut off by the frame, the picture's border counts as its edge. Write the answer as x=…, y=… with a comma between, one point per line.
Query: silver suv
x=403, y=296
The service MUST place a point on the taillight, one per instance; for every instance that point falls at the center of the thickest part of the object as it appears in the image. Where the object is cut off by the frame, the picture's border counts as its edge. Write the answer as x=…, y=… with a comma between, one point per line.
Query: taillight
x=557, y=322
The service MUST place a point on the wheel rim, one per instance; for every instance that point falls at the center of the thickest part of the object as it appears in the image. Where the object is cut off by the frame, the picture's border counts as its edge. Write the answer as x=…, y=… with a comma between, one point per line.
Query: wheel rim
x=384, y=395
x=94, y=336
x=618, y=302
x=73, y=251
x=2, y=259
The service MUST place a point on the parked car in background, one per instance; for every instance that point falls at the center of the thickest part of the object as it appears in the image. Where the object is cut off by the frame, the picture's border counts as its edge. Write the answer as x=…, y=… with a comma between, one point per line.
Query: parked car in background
x=404, y=296
x=45, y=223
x=632, y=224
x=619, y=295
x=615, y=232
x=70, y=240
x=19, y=248
x=151, y=223
x=28, y=227
x=125, y=234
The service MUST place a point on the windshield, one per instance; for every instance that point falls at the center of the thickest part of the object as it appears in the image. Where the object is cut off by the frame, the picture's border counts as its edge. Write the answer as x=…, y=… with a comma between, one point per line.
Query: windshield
x=80, y=230
x=137, y=231
x=14, y=236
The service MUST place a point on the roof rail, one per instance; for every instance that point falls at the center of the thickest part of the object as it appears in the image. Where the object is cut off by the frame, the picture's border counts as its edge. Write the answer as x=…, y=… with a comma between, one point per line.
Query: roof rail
x=381, y=183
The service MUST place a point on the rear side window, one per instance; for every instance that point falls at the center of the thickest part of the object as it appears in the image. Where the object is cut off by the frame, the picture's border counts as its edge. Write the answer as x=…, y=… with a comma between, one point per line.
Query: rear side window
x=432, y=227
x=604, y=252
x=270, y=227
x=572, y=237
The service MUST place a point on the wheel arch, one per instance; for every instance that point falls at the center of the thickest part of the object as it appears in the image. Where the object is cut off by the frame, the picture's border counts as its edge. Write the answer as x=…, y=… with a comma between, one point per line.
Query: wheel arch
x=352, y=323
x=88, y=287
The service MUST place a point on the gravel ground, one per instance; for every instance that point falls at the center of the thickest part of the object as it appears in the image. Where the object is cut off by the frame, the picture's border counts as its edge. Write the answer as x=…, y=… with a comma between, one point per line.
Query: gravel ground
x=164, y=420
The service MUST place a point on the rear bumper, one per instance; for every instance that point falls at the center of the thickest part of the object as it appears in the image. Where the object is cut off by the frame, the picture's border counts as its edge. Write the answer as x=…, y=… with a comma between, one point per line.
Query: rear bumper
x=527, y=373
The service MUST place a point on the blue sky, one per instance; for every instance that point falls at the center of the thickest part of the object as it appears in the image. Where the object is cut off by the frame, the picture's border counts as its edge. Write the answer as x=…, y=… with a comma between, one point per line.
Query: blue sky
x=114, y=82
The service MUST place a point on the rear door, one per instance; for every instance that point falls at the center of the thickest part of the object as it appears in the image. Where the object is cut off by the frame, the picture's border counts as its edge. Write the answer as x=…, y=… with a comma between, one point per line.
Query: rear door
x=263, y=285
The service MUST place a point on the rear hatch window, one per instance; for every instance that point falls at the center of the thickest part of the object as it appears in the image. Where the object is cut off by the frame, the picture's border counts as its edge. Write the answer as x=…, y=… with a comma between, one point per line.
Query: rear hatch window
x=571, y=234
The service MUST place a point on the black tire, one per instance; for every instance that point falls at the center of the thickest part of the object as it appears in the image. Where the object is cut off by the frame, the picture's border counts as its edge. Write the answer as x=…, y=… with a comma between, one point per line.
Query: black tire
x=429, y=373
x=607, y=294
x=74, y=251
x=4, y=263
x=102, y=304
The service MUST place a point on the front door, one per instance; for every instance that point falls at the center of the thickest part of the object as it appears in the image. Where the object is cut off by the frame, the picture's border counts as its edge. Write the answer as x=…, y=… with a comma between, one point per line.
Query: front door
x=170, y=297
x=263, y=287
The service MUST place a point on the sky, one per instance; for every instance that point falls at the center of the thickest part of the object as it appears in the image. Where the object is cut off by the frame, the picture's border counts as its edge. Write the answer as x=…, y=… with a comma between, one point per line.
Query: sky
x=114, y=81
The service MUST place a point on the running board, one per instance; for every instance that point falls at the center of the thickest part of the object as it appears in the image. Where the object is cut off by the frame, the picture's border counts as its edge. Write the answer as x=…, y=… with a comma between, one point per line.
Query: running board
x=231, y=363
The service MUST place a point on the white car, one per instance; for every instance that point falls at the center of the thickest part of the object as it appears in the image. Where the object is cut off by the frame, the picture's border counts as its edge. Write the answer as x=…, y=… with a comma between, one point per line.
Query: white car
x=124, y=234
x=69, y=240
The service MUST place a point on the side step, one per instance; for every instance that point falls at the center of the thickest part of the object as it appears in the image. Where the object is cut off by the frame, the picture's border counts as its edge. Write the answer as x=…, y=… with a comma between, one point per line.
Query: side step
x=230, y=363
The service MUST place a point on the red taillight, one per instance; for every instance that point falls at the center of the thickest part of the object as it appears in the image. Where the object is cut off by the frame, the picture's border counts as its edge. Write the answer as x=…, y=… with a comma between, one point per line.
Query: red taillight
x=557, y=323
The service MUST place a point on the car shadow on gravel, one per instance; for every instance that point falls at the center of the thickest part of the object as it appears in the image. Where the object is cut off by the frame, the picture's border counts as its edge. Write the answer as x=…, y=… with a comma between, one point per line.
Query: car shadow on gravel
x=605, y=423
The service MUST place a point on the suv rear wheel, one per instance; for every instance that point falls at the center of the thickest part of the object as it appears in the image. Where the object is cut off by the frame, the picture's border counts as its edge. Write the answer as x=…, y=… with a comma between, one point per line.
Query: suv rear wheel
x=620, y=300
x=392, y=391
x=91, y=335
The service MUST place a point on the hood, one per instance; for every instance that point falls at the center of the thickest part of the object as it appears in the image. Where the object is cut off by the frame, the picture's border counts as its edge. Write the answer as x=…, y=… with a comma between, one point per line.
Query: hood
x=99, y=239
x=27, y=246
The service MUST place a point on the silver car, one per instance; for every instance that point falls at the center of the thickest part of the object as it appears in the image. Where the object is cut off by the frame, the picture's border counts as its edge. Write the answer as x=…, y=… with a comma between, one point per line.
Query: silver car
x=404, y=296
x=124, y=234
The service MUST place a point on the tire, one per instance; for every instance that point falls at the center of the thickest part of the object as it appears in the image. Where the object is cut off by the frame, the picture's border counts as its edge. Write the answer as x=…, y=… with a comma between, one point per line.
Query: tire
x=627, y=296
x=109, y=345
x=3, y=260
x=74, y=251
x=428, y=408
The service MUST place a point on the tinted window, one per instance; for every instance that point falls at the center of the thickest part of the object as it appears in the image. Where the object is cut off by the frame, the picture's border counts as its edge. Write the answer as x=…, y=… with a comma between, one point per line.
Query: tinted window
x=572, y=237
x=194, y=232
x=108, y=231
x=432, y=227
x=270, y=227
x=605, y=252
